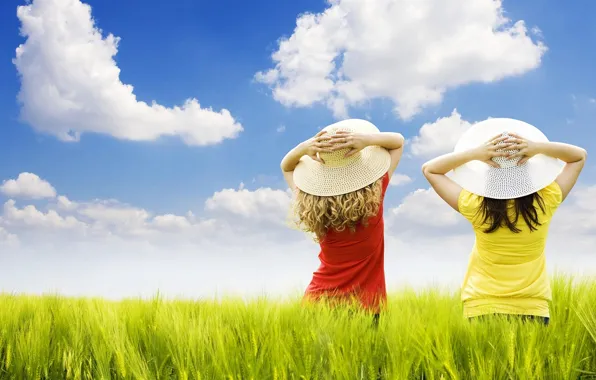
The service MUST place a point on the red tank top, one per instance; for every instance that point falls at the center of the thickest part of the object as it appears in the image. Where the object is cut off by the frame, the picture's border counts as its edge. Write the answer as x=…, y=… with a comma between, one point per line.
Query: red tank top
x=352, y=263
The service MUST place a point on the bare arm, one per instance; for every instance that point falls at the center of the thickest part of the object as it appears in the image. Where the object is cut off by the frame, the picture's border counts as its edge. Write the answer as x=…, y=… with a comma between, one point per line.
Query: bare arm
x=387, y=140
x=289, y=163
x=436, y=169
x=311, y=147
x=394, y=143
x=574, y=157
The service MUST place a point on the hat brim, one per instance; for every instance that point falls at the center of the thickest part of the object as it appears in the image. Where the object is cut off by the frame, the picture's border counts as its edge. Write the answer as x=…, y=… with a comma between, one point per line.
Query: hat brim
x=504, y=183
x=315, y=178
x=357, y=172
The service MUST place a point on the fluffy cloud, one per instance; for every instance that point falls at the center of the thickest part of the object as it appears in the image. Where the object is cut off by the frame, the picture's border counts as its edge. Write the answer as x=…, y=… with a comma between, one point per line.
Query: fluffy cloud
x=577, y=215
x=239, y=246
x=408, y=51
x=424, y=213
x=66, y=204
x=128, y=221
x=173, y=222
x=264, y=204
x=8, y=239
x=249, y=215
x=236, y=216
x=422, y=209
x=30, y=216
x=398, y=179
x=112, y=212
x=70, y=84
x=28, y=185
x=91, y=221
x=439, y=137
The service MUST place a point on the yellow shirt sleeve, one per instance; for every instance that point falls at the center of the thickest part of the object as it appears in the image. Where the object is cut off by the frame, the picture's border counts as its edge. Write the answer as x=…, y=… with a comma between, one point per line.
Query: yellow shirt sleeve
x=552, y=195
x=468, y=204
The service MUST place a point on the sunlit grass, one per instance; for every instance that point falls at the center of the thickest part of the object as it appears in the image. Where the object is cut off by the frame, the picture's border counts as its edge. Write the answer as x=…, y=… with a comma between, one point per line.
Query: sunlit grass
x=422, y=336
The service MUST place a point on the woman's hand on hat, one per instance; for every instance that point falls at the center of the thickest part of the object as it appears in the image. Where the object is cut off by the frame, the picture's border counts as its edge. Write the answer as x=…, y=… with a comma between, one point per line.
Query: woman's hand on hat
x=491, y=149
x=320, y=143
x=526, y=148
x=355, y=142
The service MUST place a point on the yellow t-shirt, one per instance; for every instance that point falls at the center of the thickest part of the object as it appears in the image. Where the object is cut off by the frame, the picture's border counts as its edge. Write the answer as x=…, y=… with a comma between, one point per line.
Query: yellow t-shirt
x=506, y=270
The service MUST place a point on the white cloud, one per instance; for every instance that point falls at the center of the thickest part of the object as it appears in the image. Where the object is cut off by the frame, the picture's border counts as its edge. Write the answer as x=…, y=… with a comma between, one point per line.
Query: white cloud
x=70, y=84
x=7, y=239
x=113, y=212
x=537, y=32
x=584, y=196
x=398, y=179
x=116, y=217
x=128, y=221
x=281, y=128
x=424, y=208
x=28, y=185
x=577, y=214
x=171, y=222
x=30, y=216
x=65, y=203
x=439, y=137
x=263, y=204
x=411, y=52
x=424, y=211
x=239, y=245
x=234, y=216
x=103, y=221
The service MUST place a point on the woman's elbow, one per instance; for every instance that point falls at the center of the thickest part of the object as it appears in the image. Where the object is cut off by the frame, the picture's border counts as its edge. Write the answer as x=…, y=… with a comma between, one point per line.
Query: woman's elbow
x=401, y=139
x=425, y=170
x=284, y=167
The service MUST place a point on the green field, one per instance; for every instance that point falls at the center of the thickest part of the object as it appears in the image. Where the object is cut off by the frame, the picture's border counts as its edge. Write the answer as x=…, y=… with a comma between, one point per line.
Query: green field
x=422, y=336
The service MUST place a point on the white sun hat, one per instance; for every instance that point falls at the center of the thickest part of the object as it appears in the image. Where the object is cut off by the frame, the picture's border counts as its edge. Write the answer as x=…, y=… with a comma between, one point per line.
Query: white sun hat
x=341, y=175
x=510, y=180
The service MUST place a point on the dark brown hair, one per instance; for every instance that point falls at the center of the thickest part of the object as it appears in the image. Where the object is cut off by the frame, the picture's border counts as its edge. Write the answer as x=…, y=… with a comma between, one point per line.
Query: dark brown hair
x=495, y=212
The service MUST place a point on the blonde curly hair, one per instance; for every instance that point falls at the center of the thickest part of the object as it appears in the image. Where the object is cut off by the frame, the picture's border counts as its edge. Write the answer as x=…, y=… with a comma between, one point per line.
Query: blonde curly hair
x=318, y=214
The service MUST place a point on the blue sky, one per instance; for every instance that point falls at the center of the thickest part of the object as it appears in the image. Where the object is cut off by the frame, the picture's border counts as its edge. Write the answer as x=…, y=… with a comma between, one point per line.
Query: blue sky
x=168, y=53
x=211, y=51
x=171, y=51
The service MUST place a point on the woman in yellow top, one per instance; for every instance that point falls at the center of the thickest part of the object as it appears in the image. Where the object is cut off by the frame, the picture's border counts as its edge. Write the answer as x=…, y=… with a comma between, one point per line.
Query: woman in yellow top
x=507, y=181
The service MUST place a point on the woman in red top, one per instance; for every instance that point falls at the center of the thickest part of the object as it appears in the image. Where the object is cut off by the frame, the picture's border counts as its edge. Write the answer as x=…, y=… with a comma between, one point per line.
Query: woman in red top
x=340, y=177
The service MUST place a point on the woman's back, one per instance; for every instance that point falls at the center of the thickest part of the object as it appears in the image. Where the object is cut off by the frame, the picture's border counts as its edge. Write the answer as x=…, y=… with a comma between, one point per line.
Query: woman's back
x=347, y=245
x=352, y=262
x=507, y=180
x=339, y=178
x=507, y=270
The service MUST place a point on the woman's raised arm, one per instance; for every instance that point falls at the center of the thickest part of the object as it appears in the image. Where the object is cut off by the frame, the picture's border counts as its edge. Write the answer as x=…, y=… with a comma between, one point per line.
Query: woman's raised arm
x=435, y=169
x=574, y=157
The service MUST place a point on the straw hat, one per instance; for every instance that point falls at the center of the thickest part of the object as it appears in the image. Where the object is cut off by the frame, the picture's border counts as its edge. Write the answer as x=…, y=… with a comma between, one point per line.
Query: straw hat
x=341, y=175
x=510, y=181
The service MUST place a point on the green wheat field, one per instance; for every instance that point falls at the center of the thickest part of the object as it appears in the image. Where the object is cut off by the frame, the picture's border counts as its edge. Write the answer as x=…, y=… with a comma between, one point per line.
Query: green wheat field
x=421, y=336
